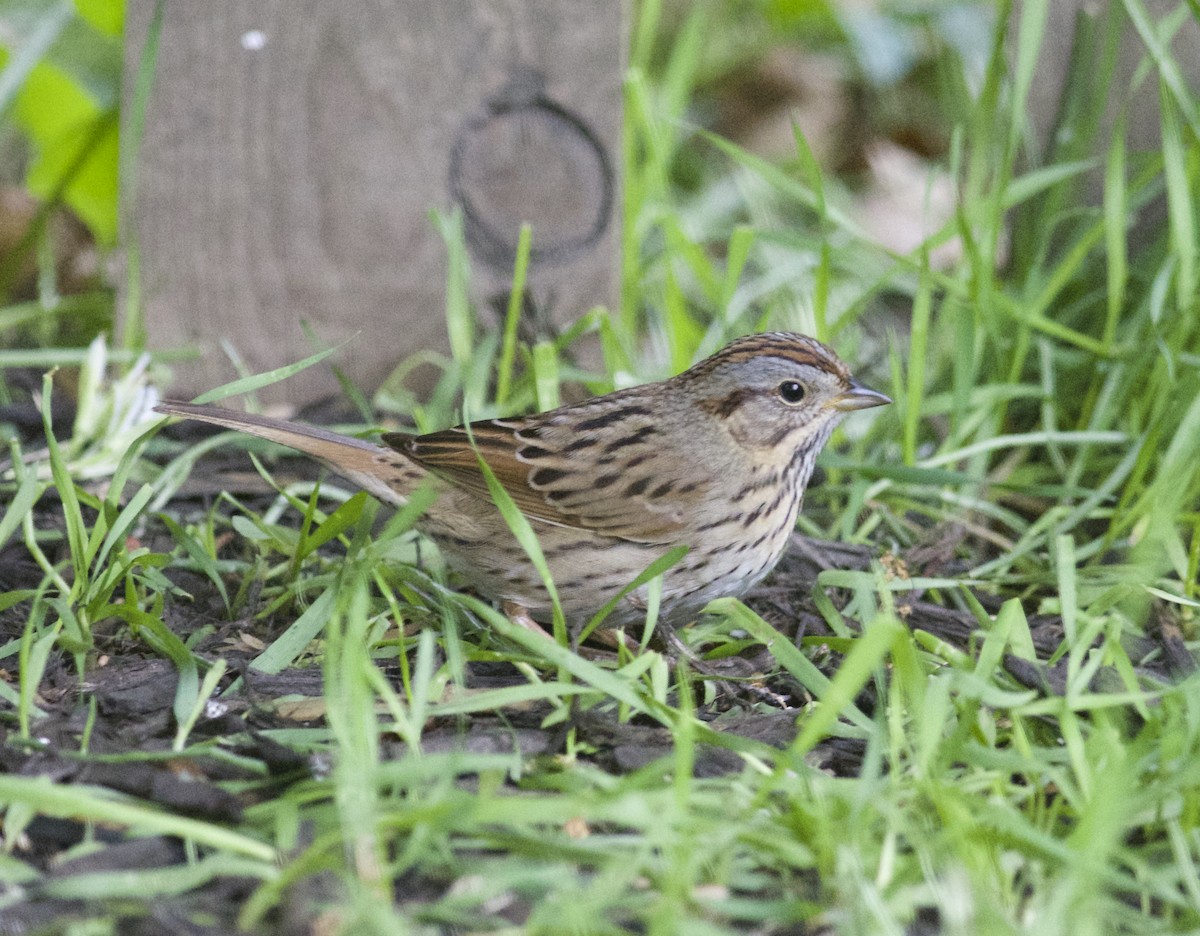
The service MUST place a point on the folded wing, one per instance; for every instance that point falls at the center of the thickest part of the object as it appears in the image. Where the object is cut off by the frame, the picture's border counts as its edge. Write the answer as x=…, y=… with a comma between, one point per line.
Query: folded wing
x=597, y=466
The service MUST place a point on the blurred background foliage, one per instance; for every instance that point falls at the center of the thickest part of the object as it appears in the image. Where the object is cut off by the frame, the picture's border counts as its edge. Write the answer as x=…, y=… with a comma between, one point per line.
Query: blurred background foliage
x=854, y=72
x=60, y=93
x=61, y=87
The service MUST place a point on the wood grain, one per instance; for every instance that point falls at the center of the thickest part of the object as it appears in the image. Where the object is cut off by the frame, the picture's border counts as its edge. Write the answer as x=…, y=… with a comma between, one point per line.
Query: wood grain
x=293, y=151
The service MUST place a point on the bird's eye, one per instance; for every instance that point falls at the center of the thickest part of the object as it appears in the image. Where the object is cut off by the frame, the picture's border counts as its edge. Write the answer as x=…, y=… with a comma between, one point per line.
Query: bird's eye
x=791, y=391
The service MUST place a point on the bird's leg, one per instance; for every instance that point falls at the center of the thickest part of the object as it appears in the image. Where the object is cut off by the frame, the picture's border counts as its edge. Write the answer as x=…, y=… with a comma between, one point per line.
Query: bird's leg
x=738, y=690
x=519, y=615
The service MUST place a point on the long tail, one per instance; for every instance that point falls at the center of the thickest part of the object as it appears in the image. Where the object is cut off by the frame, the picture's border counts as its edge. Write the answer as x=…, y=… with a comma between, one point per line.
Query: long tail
x=385, y=473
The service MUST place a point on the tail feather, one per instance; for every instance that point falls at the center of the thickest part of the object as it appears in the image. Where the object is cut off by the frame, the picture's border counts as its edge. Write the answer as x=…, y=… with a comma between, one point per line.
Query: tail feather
x=385, y=473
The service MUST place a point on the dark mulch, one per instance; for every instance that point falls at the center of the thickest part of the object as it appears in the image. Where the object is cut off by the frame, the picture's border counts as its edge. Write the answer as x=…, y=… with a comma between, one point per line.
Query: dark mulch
x=124, y=707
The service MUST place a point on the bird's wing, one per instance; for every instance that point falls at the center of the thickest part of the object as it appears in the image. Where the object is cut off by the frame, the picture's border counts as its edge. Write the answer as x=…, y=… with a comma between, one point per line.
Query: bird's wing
x=601, y=466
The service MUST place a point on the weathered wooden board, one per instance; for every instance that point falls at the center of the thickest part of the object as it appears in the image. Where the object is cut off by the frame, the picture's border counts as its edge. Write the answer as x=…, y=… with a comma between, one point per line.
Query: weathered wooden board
x=1065, y=20
x=294, y=149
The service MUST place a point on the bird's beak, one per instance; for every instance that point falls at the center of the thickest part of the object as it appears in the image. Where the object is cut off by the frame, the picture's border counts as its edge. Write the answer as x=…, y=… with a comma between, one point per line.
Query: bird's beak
x=859, y=397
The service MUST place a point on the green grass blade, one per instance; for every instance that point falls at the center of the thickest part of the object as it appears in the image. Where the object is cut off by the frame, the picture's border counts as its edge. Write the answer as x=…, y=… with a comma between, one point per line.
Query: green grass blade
x=265, y=379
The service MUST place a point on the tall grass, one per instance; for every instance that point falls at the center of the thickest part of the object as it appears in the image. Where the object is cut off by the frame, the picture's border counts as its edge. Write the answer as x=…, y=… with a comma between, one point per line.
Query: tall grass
x=1047, y=391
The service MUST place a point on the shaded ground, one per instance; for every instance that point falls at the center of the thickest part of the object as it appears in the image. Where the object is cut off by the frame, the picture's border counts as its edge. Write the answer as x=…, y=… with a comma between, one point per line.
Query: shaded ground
x=124, y=710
